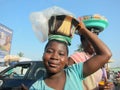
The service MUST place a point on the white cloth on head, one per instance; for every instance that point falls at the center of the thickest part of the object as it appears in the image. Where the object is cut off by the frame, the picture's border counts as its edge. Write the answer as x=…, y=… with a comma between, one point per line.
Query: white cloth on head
x=40, y=19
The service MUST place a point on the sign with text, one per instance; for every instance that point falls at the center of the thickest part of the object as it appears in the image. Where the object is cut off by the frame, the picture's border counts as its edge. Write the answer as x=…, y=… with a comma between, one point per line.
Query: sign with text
x=5, y=40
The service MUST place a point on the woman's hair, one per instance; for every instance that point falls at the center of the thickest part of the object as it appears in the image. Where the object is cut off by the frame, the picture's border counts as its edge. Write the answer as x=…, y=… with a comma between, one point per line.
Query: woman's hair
x=53, y=40
x=82, y=38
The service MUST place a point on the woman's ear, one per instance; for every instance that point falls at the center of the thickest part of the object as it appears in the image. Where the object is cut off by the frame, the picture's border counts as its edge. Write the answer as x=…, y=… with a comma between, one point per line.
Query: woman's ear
x=66, y=63
x=43, y=57
x=70, y=61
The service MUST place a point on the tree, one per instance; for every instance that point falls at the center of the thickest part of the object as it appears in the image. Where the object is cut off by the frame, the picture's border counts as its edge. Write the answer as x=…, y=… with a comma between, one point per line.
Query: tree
x=20, y=54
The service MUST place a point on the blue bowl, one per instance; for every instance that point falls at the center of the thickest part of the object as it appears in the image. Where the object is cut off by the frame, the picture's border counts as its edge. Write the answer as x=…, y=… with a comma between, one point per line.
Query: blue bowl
x=96, y=23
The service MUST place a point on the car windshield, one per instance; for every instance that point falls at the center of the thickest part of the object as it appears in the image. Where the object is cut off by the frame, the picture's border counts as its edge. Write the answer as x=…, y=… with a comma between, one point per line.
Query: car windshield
x=18, y=72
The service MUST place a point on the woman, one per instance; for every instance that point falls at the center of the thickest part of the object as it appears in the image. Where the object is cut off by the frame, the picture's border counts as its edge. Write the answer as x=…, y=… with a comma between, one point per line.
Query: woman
x=55, y=56
x=87, y=51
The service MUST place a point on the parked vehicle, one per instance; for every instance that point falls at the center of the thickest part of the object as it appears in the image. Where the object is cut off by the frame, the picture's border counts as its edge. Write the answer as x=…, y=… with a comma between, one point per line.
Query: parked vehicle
x=2, y=66
x=21, y=73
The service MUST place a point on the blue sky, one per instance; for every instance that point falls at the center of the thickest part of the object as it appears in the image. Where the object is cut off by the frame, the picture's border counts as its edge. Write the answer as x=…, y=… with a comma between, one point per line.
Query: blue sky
x=15, y=15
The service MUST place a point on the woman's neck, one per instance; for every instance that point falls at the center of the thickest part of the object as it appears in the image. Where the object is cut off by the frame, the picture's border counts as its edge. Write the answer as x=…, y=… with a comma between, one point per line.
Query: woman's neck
x=55, y=75
x=53, y=79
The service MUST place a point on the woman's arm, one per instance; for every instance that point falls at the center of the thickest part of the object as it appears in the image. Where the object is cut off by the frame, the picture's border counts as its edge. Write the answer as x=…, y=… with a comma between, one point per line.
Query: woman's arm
x=103, y=53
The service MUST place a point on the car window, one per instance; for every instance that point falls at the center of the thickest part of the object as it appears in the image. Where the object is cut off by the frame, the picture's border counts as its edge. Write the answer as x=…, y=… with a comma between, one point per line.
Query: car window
x=2, y=64
x=18, y=72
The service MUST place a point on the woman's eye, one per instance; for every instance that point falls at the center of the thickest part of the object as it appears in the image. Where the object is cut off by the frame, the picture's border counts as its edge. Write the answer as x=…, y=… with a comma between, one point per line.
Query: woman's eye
x=49, y=51
x=61, y=54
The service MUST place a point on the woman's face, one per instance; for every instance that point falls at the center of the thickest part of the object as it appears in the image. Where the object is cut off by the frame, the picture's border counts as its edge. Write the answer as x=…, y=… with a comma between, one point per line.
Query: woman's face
x=87, y=46
x=55, y=57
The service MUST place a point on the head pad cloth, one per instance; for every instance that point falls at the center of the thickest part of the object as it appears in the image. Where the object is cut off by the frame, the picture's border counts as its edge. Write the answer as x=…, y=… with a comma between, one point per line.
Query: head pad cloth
x=54, y=23
x=96, y=23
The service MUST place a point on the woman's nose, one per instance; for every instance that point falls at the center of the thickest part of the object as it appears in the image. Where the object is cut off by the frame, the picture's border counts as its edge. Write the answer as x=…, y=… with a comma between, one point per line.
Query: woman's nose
x=54, y=56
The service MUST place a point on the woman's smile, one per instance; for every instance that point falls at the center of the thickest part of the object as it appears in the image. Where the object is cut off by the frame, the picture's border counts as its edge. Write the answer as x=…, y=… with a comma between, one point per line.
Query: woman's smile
x=53, y=63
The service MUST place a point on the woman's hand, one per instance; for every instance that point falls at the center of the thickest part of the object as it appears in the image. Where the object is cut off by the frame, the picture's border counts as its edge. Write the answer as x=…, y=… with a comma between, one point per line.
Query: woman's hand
x=80, y=26
x=23, y=87
x=107, y=86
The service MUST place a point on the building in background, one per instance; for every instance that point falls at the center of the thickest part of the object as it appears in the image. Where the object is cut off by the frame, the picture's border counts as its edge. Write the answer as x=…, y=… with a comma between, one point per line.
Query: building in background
x=5, y=41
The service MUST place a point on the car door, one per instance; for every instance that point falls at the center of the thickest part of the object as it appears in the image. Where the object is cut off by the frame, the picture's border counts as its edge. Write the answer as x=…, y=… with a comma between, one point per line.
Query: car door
x=14, y=76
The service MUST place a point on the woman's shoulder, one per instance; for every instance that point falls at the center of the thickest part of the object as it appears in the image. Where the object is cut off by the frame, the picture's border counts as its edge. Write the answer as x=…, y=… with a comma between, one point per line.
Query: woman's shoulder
x=37, y=84
x=77, y=67
x=75, y=70
x=78, y=57
x=79, y=52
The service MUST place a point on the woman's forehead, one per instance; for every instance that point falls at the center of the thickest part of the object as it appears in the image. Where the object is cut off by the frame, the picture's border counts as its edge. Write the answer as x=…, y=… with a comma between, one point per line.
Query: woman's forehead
x=57, y=45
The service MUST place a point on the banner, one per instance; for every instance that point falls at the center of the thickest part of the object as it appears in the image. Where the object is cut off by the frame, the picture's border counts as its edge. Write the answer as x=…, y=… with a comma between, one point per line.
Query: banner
x=5, y=41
